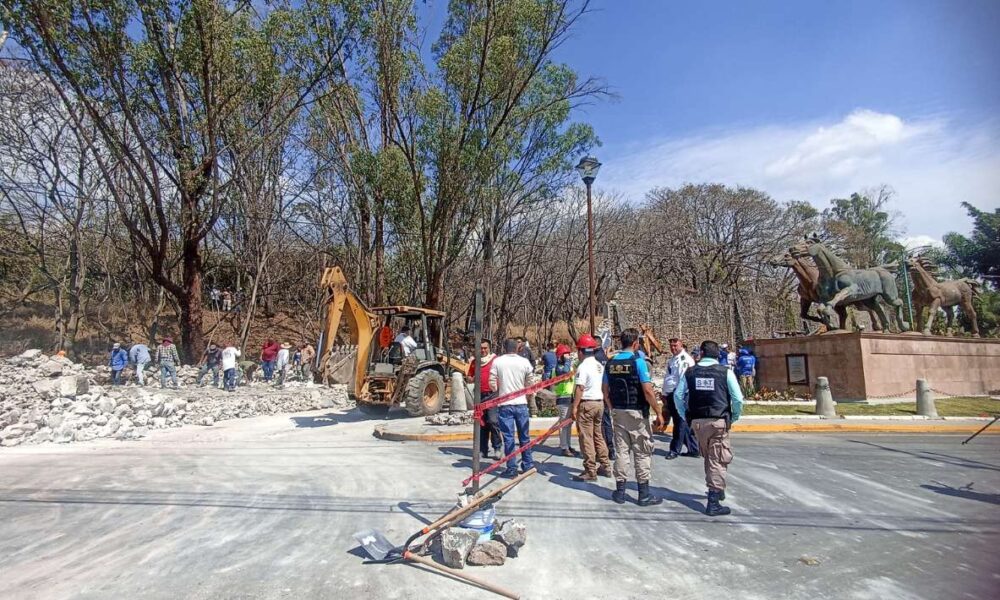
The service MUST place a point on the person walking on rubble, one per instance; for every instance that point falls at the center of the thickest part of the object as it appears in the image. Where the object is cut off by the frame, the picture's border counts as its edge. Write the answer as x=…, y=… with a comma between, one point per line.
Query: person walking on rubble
x=168, y=359
x=229, y=356
x=710, y=396
x=510, y=373
x=117, y=361
x=628, y=394
x=138, y=355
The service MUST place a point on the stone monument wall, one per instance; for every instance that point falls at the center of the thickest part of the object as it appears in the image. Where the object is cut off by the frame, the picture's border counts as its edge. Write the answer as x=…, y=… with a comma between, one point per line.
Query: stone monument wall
x=873, y=365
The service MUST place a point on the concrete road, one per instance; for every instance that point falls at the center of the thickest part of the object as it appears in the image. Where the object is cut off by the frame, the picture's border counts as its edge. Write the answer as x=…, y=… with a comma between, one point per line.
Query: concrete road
x=265, y=508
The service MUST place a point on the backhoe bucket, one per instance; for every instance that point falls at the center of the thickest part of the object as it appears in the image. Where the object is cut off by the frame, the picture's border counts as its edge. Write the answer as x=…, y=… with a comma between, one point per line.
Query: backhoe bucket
x=374, y=543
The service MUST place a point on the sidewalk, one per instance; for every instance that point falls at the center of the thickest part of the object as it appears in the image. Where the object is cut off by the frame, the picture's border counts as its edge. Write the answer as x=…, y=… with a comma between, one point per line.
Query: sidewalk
x=416, y=429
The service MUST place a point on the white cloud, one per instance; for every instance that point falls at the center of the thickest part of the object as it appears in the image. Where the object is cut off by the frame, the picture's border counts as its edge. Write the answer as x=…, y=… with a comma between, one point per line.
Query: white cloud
x=932, y=164
x=918, y=241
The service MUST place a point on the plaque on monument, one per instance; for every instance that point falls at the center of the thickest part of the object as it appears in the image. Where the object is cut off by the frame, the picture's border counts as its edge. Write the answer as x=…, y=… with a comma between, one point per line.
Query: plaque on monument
x=798, y=369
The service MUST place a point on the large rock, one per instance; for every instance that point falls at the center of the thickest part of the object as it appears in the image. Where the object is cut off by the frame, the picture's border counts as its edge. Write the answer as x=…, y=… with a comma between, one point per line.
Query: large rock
x=513, y=534
x=456, y=542
x=106, y=405
x=487, y=554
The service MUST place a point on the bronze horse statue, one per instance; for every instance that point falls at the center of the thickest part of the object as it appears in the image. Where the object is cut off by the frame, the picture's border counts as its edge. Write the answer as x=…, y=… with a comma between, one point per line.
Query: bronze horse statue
x=808, y=290
x=841, y=285
x=930, y=293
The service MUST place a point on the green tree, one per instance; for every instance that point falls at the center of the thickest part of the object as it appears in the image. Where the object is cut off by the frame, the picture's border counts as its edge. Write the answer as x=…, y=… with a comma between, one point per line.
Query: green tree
x=863, y=227
x=979, y=255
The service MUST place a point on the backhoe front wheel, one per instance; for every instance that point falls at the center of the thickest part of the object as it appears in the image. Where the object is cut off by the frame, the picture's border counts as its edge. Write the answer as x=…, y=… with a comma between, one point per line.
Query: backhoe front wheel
x=424, y=394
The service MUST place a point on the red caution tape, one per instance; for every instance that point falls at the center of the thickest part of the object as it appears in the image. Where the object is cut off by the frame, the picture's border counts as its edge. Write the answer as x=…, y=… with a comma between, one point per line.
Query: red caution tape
x=503, y=461
x=482, y=407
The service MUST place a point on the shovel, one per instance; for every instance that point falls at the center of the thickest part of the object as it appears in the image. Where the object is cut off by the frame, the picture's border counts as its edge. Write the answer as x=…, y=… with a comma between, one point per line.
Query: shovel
x=381, y=550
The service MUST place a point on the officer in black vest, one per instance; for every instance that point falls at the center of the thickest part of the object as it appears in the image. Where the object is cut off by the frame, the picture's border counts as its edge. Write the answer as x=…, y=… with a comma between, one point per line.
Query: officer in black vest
x=709, y=394
x=628, y=395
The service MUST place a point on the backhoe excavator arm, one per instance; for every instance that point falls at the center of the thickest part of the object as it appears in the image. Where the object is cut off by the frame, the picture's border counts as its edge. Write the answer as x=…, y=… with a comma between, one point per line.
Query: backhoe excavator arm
x=342, y=303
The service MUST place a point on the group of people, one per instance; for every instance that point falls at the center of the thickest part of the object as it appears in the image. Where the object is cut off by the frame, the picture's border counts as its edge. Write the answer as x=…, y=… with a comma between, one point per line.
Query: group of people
x=225, y=299
x=703, y=398
x=277, y=362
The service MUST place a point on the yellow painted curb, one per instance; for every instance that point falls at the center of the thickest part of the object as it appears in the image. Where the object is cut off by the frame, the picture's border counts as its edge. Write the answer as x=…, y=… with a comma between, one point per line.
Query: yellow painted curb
x=465, y=436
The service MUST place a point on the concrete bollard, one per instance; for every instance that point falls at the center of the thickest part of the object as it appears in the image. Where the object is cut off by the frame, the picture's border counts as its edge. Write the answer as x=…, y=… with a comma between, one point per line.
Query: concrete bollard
x=457, y=401
x=925, y=400
x=824, y=399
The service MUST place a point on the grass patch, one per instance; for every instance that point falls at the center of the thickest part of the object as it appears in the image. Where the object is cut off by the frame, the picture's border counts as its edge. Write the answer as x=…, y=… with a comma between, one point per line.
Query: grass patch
x=949, y=407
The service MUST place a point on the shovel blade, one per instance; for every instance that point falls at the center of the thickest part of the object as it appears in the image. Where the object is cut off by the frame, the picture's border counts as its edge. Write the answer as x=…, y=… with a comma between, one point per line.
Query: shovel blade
x=374, y=543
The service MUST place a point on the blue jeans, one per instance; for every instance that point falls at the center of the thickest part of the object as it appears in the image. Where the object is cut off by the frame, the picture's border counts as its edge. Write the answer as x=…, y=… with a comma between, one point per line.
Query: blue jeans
x=168, y=371
x=229, y=378
x=116, y=376
x=511, y=417
x=204, y=371
x=682, y=434
x=268, y=366
x=609, y=433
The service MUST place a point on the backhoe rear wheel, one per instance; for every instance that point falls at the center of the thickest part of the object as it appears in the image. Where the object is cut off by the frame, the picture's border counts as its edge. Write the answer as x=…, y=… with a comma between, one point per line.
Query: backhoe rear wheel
x=424, y=394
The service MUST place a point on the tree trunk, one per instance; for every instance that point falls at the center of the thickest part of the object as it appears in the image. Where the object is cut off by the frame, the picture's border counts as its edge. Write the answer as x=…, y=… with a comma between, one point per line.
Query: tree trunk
x=190, y=302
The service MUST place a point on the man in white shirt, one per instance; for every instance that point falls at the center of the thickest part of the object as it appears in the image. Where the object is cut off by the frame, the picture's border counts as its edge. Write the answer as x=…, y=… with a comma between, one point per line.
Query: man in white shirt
x=281, y=365
x=229, y=355
x=682, y=436
x=406, y=341
x=588, y=411
x=510, y=373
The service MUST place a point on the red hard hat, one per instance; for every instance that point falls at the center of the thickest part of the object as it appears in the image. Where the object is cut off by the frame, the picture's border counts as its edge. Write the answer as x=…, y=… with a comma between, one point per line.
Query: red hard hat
x=586, y=341
x=562, y=349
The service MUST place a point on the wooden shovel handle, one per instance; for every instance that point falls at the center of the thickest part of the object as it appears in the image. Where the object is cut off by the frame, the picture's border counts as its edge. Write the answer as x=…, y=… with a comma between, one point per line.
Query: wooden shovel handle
x=462, y=511
x=473, y=580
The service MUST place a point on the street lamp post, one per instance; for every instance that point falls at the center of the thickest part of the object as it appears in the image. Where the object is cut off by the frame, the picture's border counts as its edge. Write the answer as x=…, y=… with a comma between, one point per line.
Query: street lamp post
x=588, y=168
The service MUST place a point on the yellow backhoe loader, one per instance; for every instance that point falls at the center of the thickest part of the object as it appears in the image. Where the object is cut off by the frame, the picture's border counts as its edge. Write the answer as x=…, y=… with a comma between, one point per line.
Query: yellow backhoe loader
x=385, y=374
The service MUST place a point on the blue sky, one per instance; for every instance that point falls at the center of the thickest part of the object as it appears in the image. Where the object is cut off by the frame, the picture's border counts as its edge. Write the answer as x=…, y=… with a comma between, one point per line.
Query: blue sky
x=805, y=100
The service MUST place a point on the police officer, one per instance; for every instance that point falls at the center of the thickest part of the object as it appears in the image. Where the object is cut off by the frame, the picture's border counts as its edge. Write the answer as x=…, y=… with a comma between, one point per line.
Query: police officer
x=628, y=395
x=710, y=396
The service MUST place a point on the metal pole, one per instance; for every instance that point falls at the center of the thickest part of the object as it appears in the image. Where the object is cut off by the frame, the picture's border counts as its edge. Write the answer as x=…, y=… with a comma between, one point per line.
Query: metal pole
x=477, y=328
x=590, y=252
x=906, y=284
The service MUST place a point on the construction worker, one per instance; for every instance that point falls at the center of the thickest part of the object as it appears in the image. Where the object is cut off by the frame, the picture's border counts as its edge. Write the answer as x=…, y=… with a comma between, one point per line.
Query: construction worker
x=682, y=436
x=711, y=398
x=405, y=340
x=628, y=394
x=564, y=397
x=550, y=358
x=588, y=411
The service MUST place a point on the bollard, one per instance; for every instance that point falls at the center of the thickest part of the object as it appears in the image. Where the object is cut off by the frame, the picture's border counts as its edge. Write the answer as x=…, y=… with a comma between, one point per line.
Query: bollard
x=457, y=401
x=824, y=399
x=925, y=400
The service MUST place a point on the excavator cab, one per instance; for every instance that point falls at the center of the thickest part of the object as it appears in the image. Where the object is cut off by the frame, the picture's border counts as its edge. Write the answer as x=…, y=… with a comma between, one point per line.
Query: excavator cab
x=415, y=379
x=384, y=374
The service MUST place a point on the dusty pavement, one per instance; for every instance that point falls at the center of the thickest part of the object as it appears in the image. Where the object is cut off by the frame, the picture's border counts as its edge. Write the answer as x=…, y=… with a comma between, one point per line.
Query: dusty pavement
x=265, y=508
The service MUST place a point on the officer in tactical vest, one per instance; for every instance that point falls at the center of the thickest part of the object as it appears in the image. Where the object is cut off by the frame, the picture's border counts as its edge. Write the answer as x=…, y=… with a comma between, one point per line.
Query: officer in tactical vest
x=628, y=395
x=710, y=396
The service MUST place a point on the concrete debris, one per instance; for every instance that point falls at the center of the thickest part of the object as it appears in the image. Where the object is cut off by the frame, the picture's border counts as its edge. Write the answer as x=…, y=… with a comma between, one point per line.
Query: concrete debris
x=488, y=553
x=441, y=418
x=512, y=534
x=52, y=399
x=456, y=542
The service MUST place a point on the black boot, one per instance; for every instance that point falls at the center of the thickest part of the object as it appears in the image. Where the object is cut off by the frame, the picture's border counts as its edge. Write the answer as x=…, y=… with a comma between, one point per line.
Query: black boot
x=645, y=498
x=619, y=494
x=714, y=509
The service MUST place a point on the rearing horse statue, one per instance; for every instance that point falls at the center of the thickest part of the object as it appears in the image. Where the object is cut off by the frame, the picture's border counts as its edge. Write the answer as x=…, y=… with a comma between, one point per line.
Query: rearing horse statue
x=840, y=284
x=808, y=290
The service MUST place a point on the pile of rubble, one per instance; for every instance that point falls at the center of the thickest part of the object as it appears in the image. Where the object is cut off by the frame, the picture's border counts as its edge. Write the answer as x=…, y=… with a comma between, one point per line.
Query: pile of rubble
x=53, y=399
x=459, y=546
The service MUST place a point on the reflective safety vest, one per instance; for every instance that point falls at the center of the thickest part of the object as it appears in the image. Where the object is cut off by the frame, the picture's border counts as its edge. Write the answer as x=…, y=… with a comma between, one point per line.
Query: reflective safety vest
x=564, y=389
x=624, y=386
x=708, y=392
